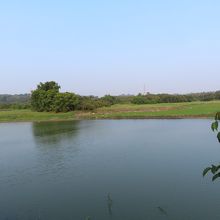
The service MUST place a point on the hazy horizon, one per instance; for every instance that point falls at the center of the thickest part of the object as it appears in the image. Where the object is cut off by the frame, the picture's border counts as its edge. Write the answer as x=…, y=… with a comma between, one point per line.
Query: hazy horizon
x=122, y=94
x=98, y=48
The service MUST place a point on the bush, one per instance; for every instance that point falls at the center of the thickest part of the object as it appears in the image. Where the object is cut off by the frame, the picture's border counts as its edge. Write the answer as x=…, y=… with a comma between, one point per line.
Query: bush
x=65, y=102
x=108, y=100
x=88, y=103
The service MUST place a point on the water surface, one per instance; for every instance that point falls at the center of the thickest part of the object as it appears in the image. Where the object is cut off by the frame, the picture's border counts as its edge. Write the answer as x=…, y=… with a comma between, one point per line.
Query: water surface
x=110, y=169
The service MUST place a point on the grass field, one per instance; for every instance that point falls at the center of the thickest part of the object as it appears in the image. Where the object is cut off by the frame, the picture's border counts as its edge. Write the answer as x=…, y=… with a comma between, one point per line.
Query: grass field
x=123, y=111
x=165, y=110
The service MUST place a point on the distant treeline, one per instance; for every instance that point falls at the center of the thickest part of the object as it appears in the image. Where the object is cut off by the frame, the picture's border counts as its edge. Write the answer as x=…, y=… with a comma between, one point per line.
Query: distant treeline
x=11, y=99
x=21, y=101
x=174, y=98
x=47, y=97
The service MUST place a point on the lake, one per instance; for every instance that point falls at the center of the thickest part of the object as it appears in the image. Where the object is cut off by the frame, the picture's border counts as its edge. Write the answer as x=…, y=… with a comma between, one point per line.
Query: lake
x=108, y=169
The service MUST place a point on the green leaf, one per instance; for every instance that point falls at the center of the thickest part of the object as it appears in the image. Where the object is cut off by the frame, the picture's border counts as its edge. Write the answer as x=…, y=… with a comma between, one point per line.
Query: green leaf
x=214, y=126
x=217, y=168
x=213, y=169
x=218, y=136
x=217, y=116
x=215, y=176
x=206, y=170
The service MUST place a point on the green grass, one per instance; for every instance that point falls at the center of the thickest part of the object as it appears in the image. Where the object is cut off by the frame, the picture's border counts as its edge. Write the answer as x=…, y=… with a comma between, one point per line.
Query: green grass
x=123, y=111
x=165, y=110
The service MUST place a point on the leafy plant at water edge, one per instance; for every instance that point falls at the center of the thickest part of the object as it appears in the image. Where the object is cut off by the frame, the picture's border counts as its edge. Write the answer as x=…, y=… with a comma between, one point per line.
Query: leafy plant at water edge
x=214, y=169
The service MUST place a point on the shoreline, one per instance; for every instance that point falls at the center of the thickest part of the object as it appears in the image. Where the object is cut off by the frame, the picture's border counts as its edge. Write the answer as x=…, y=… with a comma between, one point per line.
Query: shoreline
x=192, y=110
x=197, y=117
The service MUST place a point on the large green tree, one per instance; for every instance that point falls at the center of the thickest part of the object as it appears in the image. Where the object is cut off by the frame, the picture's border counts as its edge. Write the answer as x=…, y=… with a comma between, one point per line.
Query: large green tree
x=48, y=98
x=43, y=98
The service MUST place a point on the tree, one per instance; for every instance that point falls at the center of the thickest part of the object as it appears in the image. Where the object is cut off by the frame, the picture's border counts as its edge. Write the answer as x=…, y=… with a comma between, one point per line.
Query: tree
x=51, y=85
x=43, y=98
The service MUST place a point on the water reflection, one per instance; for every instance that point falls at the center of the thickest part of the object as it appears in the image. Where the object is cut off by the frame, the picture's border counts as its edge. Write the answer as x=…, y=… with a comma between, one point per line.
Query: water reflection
x=162, y=211
x=53, y=133
x=56, y=146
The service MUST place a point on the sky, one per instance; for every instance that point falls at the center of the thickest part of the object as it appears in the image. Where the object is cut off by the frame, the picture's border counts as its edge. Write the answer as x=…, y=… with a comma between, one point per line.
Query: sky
x=110, y=47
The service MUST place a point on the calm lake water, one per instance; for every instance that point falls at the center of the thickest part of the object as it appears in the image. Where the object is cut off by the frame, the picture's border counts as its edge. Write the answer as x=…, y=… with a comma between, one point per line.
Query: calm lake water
x=110, y=169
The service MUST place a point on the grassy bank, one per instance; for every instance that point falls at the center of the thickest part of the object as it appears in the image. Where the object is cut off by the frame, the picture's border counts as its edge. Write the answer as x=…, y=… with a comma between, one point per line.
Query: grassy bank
x=28, y=115
x=166, y=110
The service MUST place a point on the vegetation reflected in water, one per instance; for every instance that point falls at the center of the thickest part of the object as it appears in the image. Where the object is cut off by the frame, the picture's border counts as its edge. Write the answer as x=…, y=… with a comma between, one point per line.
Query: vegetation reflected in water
x=52, y=133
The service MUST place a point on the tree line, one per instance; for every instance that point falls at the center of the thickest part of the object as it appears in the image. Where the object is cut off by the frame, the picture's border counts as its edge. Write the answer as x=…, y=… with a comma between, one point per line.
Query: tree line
x=47, y=97
x=174, y=98
x=21, y=101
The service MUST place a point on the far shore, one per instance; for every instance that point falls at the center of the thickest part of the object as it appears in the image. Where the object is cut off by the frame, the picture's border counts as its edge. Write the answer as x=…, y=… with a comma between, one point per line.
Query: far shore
x=187, y=110
x=112, y=118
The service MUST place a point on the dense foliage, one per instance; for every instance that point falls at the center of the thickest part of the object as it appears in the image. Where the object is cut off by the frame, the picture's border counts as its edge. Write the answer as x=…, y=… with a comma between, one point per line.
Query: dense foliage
x=48, y=98
x=65, y=102
x=15, y=106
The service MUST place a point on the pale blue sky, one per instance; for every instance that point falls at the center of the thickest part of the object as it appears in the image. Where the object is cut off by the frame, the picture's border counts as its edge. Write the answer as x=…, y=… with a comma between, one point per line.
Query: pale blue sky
x=116, y=46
